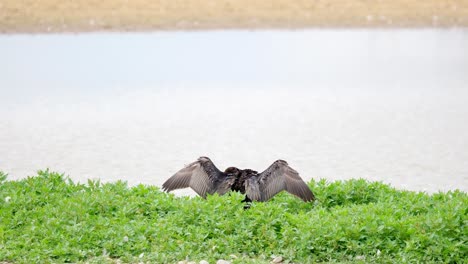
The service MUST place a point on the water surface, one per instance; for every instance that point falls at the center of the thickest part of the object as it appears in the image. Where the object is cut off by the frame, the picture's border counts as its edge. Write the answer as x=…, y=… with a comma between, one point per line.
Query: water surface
x=387, y=105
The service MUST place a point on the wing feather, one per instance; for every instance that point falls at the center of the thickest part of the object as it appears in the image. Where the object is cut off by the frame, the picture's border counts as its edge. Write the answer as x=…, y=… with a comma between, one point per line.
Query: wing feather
x=202, y=176
x=252, y=189
x=280, y=177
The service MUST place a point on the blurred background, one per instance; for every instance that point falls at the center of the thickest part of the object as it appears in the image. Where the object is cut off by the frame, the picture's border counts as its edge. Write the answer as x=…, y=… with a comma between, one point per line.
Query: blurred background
x=134, y=90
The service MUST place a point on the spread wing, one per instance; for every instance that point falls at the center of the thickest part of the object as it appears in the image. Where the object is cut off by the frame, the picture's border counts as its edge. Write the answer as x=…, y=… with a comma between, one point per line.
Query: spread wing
x=202, y=176
x=278, y=177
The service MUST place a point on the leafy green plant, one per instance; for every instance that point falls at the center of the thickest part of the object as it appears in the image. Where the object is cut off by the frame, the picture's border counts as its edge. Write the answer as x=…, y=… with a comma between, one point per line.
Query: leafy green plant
x=49, y=218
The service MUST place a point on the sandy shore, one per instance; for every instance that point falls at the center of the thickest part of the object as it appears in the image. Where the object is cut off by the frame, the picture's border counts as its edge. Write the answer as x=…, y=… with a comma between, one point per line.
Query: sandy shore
x=141, y=15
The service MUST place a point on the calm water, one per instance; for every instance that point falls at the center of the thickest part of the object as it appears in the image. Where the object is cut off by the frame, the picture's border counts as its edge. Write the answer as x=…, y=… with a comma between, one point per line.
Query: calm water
x=336, y=104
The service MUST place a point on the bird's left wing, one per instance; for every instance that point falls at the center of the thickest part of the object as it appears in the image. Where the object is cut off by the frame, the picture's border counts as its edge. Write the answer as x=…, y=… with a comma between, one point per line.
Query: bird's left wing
x=202, y=176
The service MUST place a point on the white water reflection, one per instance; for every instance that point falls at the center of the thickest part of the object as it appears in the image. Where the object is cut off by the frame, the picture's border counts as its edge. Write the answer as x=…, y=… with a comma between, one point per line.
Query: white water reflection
x=383, y=105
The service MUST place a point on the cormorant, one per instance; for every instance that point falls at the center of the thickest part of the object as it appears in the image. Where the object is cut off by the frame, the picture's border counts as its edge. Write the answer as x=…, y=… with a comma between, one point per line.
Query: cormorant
x=204, y=178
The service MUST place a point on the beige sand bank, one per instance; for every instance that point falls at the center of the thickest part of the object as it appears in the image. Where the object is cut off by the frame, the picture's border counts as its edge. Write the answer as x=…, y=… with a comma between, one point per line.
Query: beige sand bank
x=117, y=15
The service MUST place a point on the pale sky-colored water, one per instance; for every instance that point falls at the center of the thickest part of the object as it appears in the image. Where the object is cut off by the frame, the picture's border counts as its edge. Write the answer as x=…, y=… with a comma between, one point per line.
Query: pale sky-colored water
x=387, y=105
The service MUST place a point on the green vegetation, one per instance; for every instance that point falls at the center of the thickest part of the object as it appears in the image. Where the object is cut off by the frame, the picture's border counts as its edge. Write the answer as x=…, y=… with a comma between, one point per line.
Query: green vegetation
x=49, y=218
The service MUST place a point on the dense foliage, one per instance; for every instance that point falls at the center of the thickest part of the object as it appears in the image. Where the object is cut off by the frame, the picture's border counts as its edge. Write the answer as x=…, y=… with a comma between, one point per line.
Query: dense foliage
x=49, y=218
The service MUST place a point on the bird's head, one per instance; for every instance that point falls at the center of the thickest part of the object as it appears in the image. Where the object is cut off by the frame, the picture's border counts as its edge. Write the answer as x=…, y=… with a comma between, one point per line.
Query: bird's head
x=250, y=172
x=232, y=171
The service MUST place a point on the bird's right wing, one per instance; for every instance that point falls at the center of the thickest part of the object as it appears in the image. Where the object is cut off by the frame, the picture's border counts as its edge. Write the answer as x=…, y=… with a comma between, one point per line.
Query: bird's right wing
x=276, y=178
x=202, y=176
x=252, y=189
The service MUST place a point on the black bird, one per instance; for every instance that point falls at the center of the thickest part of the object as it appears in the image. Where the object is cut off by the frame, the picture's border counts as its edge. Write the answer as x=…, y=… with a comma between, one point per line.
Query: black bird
x=204, y=178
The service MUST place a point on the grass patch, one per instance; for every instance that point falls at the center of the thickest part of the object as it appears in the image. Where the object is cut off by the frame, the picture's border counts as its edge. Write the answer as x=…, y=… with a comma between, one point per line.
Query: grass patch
x=49, y=218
